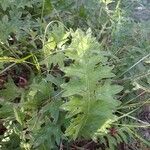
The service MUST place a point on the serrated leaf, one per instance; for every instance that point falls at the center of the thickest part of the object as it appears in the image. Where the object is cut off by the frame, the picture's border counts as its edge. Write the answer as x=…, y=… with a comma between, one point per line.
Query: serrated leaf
x=6, y=110
x=11, y=91
x=56, y=80
x=91, y=103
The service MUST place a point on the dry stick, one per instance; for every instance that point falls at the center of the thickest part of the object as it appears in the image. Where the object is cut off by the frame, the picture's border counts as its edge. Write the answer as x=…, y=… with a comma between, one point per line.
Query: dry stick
x=7, y=68
x=143, y=122
x=133, y=105
x=11, y=51
x=125, y=115
x=22, y=60
x=135, y=64
x=142, y=87
x=134, y=77
x=133, y=98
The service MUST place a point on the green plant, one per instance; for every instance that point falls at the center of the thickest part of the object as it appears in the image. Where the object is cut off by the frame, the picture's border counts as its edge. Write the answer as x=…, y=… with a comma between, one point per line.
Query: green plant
x=91, y=101
x=63, y=85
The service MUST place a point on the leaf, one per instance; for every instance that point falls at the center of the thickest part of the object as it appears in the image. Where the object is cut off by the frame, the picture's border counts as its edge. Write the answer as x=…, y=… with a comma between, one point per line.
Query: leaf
x=22, y=3
x=5, y=4
x=56, y=80
x=57, y=38
x=19, y=116
x=75, y=105
x=11, y=91
x=73, y=87
x=91, y=101
x=47, y=135
x=40, y=90
x=6, y=110
x=123, y=136
x=105, y=92
x=111, y=142
x=59, y=34
x=52, y=109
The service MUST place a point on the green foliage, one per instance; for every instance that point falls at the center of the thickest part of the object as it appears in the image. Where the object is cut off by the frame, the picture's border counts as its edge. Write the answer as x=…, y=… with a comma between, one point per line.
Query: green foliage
x=36, y=104
x=54, y=45
x=91, y=98
x=12, y=17
x=60, y=85
x=11, y=92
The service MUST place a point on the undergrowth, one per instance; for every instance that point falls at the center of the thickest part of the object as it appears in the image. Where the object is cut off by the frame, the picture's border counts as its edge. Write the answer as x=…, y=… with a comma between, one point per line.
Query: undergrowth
x=73, y=75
